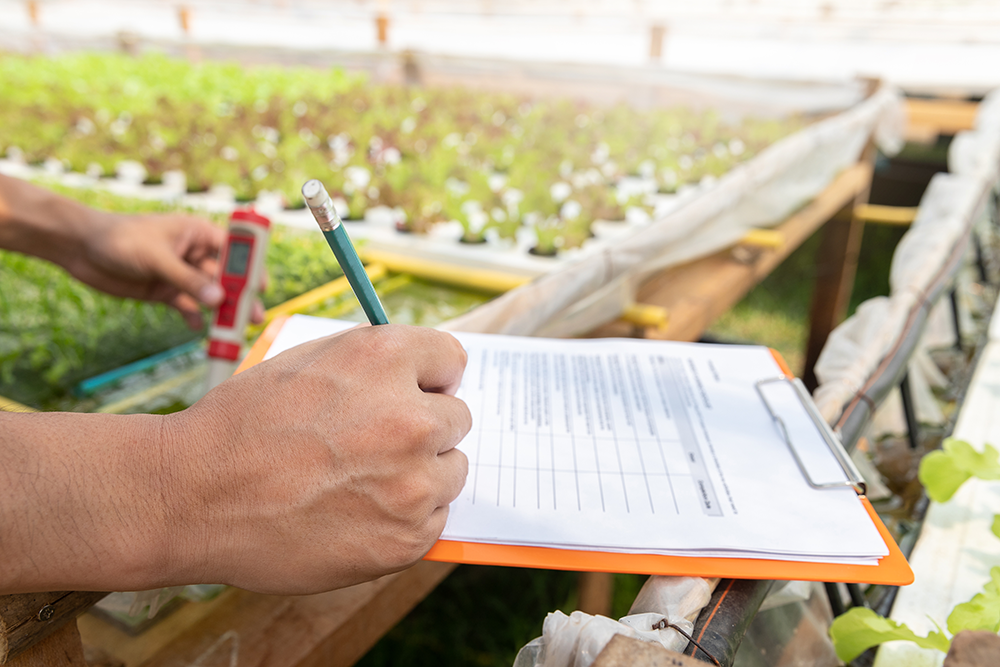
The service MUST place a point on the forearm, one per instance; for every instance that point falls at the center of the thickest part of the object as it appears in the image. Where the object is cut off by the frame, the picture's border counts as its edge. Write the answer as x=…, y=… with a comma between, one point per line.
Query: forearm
x=85, y=502
x=38, y=222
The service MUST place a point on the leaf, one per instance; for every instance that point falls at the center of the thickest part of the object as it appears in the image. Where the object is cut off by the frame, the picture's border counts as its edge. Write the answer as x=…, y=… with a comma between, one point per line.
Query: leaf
x=943, y=472
x=860, y=629
x=982, y=612
x=996, y=525
x=941, y=476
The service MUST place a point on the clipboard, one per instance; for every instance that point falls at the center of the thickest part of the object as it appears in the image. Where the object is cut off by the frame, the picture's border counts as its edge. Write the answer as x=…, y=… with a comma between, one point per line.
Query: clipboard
x=890, y=570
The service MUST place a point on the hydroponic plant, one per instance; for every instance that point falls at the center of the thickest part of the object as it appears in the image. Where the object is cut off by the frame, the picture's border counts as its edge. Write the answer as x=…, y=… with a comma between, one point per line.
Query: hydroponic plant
x=489, y=161
x=942, y=473
x=55, y=331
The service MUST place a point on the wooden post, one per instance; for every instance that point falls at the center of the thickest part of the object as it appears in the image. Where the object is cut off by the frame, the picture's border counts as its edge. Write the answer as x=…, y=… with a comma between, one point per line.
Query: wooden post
x=836, y=266
x=33, y=15
x=28, y=619
x=596, y=589
x=382, y=26
x=656, y=37
x=184, y=16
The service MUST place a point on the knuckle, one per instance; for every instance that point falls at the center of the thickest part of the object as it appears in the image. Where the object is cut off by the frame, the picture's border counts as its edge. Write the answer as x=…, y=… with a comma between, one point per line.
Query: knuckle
x=384, y=342
x=462, y=354
x=420, y=491
x=418, y=426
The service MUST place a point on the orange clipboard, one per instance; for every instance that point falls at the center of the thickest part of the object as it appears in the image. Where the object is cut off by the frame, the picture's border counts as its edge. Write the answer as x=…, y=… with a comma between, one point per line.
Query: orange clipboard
x=891, y=570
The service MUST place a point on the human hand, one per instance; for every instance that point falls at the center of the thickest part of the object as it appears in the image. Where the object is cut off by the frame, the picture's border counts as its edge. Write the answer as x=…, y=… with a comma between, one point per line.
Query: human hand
x=168, y=257
x=331, y=464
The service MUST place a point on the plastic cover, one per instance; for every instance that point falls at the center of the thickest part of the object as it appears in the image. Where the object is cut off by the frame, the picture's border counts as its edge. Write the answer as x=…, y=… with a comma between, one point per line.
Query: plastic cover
x=576, y=640
x=856, y=348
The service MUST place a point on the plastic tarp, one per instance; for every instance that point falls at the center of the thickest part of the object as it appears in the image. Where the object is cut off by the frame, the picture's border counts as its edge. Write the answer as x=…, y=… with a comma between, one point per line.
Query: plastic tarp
x=759, y=193
x=577, y=639
x=855, y=349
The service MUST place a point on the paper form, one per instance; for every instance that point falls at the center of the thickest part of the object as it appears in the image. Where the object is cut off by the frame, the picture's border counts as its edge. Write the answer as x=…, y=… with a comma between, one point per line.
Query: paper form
x=640, y=446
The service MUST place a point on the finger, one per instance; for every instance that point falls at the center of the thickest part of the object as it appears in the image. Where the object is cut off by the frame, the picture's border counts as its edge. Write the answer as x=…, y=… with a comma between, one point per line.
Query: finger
x=436, y=523
x=453, y=420
x=257, y=312
x=441, y=362
x=189, y=310
x=452, y=472
x=208, y=239
x=189, y=279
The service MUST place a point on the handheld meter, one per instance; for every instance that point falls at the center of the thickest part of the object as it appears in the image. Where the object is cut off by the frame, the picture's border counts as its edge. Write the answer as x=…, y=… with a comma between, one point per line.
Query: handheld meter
x=241, y=265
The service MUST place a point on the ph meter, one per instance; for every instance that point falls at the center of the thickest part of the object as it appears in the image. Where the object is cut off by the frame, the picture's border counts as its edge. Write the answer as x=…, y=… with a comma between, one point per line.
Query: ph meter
x=241, y=264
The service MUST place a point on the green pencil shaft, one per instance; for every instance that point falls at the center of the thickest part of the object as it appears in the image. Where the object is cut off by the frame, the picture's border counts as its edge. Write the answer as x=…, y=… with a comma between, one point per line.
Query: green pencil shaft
x=341, y=245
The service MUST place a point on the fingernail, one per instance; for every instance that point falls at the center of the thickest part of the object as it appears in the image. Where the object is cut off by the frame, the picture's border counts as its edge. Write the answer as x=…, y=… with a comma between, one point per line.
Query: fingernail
x=211, y=294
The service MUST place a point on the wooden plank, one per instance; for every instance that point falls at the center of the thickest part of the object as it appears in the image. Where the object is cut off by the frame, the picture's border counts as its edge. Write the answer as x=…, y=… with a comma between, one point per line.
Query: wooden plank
x=945, y=116
x=624, y=651
x=836, y=266
x=596, y=590
x=334, y=628
x=28, y=618
x=62, y=648
x=698, y=292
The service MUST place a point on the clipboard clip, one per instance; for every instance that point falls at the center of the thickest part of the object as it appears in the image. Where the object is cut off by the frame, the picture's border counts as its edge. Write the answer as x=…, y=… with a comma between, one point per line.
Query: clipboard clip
x=854, y=479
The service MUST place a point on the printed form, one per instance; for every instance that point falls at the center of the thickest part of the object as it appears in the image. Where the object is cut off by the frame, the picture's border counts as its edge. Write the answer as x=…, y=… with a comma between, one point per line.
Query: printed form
x=641, y=446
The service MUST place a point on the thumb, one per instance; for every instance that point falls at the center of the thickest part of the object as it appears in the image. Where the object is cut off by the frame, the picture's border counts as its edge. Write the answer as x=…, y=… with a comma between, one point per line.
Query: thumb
x=191, y=280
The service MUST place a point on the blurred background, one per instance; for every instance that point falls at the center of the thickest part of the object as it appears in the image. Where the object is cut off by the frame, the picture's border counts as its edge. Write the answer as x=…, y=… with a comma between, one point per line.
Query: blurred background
x=925, y=46
x=459, y=121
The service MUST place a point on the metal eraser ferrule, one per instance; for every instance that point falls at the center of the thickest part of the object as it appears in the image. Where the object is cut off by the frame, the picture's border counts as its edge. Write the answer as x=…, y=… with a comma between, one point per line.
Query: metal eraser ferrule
x=326, y=215
x=319, y=202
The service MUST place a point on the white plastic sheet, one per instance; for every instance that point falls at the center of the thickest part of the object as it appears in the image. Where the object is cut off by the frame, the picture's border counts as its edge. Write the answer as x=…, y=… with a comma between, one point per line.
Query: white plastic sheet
x=576, y=640
x=855, y=349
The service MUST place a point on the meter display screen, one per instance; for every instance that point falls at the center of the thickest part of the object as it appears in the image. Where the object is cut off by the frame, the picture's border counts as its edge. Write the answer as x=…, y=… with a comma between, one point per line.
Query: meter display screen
x=239, y=257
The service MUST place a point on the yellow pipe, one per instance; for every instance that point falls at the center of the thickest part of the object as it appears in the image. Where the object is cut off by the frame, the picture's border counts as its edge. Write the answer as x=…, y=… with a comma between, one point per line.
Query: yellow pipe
x=7, y=405
x=645, y=315
x=886, y=215
x=483, y=280
x=135, y=400
x=763, y=238
x=385, y=287
x=307, y=300
x=321, y=293
x=392, y=284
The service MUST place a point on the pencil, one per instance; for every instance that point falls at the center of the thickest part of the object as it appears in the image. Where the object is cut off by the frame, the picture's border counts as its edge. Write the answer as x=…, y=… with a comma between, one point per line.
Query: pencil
x=321, y=205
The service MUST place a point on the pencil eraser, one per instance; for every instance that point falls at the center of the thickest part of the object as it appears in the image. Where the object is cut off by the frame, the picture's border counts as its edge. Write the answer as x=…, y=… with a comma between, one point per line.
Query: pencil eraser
x=314, y=193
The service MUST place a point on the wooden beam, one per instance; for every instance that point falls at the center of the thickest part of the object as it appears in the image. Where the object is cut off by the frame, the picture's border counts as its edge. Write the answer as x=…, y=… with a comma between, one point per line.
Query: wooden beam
x=944, y=116
x=596, y=590
x=697, y=293
x=836, y=266
x=28, y=618
x=62, y=649
x=251, y=629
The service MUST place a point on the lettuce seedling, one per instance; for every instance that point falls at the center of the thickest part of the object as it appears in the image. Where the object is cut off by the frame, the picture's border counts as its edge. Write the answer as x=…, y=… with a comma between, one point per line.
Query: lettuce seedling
x=943, y=471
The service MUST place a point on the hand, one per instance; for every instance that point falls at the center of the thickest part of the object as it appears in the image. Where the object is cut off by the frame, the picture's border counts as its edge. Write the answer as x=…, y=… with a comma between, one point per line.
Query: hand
x=170, y=258
x=331, y=464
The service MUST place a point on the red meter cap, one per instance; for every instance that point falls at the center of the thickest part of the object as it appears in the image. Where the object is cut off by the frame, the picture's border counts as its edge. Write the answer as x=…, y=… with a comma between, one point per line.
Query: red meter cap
x=250, y=215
